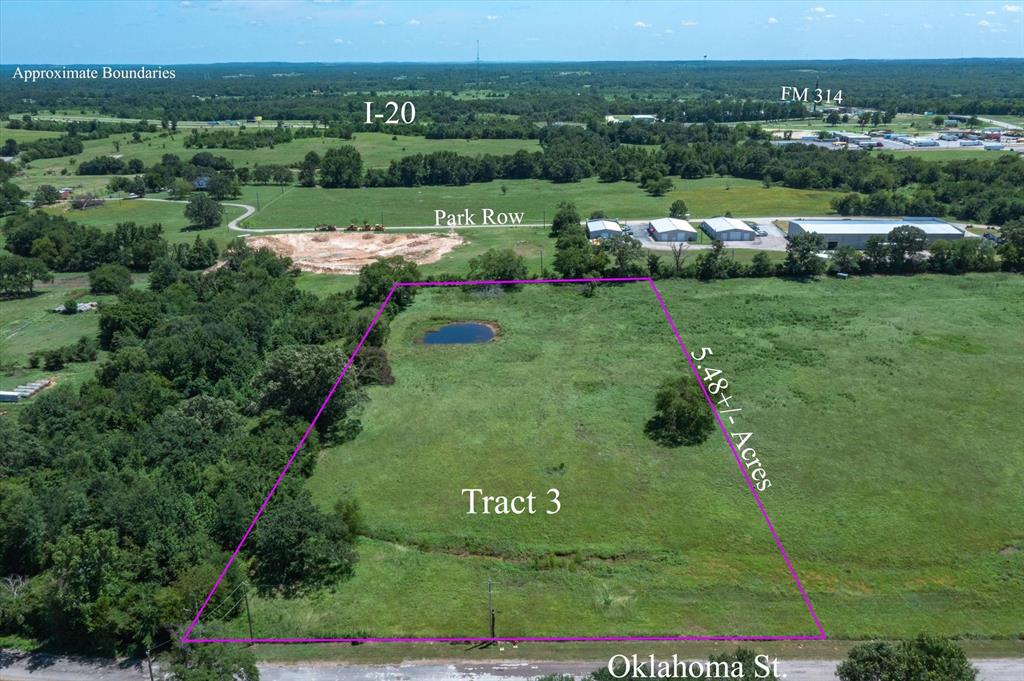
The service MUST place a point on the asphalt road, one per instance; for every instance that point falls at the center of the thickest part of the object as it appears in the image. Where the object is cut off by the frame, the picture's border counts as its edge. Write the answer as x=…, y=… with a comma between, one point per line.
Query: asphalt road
x=23, y=667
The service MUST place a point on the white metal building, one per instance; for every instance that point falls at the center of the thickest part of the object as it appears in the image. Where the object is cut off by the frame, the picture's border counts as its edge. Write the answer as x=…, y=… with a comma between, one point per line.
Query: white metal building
x=727, y=229
x=671, y=229
x=856, y=231
x=602, y=229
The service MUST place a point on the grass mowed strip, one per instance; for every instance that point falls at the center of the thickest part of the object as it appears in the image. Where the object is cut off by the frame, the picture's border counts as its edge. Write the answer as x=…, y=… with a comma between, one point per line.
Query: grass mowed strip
x=170, y=215
x=882, y=408
x=536, y=199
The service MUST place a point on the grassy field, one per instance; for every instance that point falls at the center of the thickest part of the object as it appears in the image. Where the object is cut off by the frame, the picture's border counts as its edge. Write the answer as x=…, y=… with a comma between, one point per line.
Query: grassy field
x=880, y=407
x=949, y=154
x=22, y=136
x=305, y=207
x=903, y=123
x=377, y=149
x=28, y=324
x=170, y=215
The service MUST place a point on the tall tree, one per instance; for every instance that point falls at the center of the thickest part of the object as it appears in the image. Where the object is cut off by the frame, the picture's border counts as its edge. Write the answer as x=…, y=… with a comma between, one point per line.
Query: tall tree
x=341, y=167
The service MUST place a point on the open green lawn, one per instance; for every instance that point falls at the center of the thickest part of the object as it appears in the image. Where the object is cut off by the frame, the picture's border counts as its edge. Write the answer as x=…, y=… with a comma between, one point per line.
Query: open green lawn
x=28, y=324
x=170, y=215
x=885, y=411
x=305, y=207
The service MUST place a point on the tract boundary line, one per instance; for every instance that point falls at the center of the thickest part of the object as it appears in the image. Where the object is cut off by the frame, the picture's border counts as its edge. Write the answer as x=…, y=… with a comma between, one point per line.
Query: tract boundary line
x=821, y=635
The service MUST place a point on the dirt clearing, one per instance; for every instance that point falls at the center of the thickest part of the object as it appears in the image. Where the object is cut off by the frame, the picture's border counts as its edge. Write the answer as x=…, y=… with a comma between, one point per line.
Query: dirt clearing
x=346, y=253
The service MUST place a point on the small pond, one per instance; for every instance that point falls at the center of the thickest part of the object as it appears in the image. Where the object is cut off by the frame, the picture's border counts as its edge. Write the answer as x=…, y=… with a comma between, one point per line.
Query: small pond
x=459, y=332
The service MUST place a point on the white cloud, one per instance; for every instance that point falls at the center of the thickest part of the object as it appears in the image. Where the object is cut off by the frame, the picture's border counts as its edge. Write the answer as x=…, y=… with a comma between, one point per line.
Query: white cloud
x=413, y=22
x=991, y=13
x=772, y=20
x=300, y=42
x=984, y=23
x=667, y=30
x=493, y=17
x=808, y=18
x=928, y=26
x=1013, y=8
x=342, y=41
x=687, y=22
x=819, y=10
x=379, y=22
x=970, y=14
x=641, y=24
x=830, y=16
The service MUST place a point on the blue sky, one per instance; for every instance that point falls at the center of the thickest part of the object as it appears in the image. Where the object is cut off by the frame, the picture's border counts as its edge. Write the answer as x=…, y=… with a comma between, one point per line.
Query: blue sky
x=206, y=31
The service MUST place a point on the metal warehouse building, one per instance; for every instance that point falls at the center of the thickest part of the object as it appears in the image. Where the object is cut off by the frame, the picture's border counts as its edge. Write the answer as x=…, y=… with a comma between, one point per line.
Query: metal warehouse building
x=671, y=229
x=727, y=229
x=856, y=232
x=602, y=229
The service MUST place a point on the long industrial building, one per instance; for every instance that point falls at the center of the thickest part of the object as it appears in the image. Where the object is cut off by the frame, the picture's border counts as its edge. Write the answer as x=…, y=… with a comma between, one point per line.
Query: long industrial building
x=856, y=231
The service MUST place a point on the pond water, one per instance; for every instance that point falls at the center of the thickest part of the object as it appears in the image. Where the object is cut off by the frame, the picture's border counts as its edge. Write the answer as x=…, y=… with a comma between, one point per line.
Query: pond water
x=459, y=332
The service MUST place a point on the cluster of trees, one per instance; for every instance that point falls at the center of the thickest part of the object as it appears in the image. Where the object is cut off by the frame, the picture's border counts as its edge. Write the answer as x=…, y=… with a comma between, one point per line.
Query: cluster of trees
x=67, y=246
x=120, y=499
x=976, y=190
x=10, y=193
x=18, y=274
x=63, y=245
x=85, y=349
x=49, y=147
x=264, y=137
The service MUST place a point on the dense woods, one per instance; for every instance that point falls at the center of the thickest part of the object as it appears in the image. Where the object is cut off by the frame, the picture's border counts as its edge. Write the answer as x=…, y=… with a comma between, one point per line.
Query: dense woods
x=120, y=500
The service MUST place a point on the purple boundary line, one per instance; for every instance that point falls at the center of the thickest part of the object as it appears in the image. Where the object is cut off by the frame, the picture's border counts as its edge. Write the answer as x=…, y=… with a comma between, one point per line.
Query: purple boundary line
x=739, y=461
x=284, y=471
x=764, y=513
x=518, y=639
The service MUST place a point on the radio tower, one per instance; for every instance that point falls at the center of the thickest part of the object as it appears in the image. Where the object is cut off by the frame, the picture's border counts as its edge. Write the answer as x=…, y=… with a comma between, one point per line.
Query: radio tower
x=477, y=64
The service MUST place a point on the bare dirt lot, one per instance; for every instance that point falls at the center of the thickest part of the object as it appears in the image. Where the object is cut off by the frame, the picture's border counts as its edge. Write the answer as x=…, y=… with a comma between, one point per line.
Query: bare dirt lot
x=346, y=253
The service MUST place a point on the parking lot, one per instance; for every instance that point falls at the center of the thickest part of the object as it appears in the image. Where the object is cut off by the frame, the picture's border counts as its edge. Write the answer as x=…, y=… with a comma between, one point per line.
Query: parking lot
x=773, y=240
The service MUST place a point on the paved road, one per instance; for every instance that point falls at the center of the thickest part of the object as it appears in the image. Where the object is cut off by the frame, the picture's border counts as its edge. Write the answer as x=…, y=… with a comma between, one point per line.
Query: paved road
x=23, y=667
x=1000, y=124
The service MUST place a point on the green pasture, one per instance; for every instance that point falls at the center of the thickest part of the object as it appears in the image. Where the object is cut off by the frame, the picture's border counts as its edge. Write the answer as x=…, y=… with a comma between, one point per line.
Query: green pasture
x=29, y=323
x=377, y=149
x=883, y=410
x=21, y=136
x=938, y=155
x=537, y=199
x=144, y=212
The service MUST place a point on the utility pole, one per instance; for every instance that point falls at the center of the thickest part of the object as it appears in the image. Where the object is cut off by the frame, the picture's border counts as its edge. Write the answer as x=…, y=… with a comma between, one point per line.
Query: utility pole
x=490, y=606
x=477, y=64
x=149, y=663
x=248, y=615
x=542, y=261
